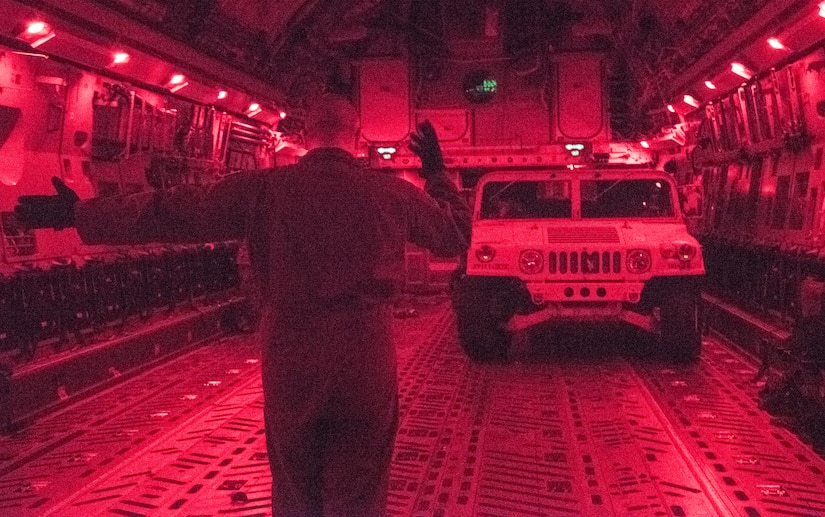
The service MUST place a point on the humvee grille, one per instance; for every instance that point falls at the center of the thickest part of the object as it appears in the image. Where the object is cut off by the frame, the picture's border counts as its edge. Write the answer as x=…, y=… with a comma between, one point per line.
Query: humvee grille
x=585, y=234
x=586, y=262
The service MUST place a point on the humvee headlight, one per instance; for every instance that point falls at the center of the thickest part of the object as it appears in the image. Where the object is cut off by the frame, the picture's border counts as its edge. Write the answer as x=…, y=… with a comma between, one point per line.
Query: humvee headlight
x=638, y=261
x=485, y=254
x=531, y=262
x=686, y=251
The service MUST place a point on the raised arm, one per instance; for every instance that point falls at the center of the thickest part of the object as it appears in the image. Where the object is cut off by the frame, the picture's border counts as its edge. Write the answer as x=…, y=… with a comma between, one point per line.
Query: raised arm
x=440, y=221
x=187, y=213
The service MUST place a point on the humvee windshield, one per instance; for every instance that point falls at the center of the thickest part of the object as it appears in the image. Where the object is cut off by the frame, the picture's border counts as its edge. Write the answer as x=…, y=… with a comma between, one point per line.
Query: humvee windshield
x=600, y=199
x=526, y=200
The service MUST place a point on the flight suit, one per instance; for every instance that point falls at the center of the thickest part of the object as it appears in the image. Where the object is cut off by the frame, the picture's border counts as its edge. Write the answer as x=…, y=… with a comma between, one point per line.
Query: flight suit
x=326, y=241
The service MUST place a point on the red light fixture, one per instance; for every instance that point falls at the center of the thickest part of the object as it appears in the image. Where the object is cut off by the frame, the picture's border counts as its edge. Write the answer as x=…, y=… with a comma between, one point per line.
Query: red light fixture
x=741, y=70
x=645, y=144
x=37, y=28
x=120, y=58
x=691, y=100
x=282, y=114
x=822, y=9
x=776, y=44
x=254, y=107
x=222, y=94
x=36, y=33
x=671, y=109
x=709, y=85
x=178, y=82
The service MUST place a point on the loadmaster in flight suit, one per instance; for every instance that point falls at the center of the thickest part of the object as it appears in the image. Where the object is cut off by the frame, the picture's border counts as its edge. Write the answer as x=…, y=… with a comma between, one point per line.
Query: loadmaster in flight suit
x=326, y=240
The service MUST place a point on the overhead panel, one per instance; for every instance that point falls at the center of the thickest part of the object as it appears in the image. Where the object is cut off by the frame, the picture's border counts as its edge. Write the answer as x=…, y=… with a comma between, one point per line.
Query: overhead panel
x=580, y=108
x=384, y=100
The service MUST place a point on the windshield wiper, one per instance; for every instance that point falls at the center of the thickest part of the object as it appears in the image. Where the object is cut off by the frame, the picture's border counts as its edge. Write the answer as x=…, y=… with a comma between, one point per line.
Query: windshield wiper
x=500, y=192
x=605, y=191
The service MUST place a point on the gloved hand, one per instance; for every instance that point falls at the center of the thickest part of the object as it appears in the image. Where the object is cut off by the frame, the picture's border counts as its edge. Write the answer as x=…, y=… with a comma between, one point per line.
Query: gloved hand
x=424, y=143
x=48, y=211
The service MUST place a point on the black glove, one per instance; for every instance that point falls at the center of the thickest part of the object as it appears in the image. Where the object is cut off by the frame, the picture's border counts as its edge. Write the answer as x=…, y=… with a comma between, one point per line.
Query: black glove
x=48, y=211
x=424, y=143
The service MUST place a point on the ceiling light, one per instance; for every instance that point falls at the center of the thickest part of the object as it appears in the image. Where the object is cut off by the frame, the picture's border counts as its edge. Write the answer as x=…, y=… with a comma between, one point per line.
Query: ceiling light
x=710, y=85
x=177, y=79
x=671, y=109
x=282, y=114
x=222, y=94
x=120, y=58
x=822, y=9
x=689, y=99
x=645, y=144
x=741, y=70
x=179, y=87
x=36, y=33
x=775, y=43
x=254, y=107
x=37, y=28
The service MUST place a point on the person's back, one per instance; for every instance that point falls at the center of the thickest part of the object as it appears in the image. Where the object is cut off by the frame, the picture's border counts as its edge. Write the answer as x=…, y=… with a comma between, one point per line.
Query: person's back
x=321, y=230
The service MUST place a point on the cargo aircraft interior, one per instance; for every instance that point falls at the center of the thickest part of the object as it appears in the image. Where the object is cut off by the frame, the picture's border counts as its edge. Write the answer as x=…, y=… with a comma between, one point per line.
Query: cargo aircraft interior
x=632, y=325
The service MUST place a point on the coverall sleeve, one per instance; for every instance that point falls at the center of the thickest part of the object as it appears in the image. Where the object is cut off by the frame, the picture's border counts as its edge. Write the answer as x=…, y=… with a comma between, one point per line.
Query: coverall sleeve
x=183, y=214
x=440, y=222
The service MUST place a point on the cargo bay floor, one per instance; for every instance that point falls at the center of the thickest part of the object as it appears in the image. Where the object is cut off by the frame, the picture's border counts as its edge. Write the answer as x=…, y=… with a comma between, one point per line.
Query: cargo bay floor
x=592, y=426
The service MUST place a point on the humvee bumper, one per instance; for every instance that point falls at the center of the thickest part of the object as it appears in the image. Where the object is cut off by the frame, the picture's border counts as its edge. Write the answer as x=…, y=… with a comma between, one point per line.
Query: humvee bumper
x=595, y=311
x=564, y=293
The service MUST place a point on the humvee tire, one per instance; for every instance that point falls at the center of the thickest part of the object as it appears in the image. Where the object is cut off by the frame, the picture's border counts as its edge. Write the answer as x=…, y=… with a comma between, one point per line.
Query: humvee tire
x=681, y=329
x=481, y=307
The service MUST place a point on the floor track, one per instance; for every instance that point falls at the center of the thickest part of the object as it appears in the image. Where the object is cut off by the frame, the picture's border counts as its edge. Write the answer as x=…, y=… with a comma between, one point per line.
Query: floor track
x=586, y=429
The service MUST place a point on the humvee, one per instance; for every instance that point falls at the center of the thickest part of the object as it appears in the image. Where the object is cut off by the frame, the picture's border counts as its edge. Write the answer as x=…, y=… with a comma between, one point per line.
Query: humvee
x=578, y=245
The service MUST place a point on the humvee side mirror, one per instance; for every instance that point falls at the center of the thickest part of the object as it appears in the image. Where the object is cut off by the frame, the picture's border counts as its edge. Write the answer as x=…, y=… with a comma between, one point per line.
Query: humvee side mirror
x=691, y=200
